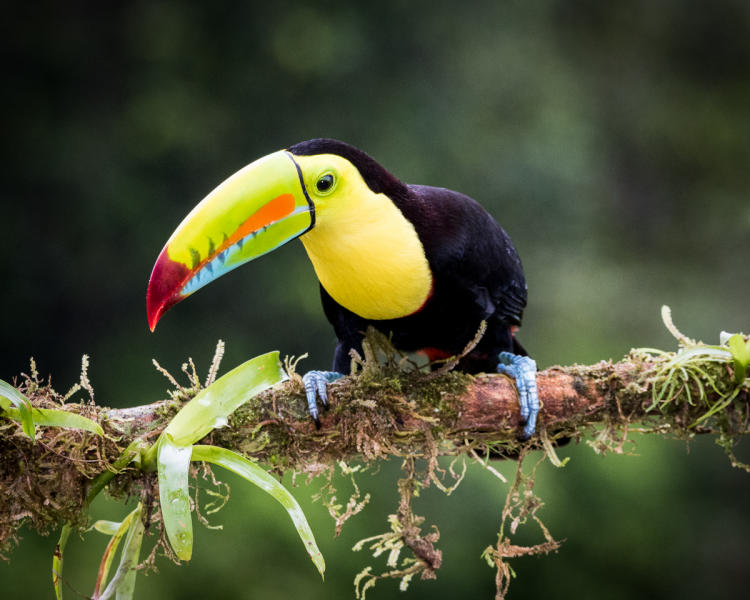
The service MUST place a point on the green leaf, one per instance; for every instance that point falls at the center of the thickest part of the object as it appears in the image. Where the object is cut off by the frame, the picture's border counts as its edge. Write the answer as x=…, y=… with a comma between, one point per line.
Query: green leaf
x=255, y=474
x=173, y=463
x=57, y=560
x=740, y=354
x=52, y=417
x=123, y=581
x=118, y=532
x=211, y=407
x=107, y=527
x=63, y=418
x=22, y=404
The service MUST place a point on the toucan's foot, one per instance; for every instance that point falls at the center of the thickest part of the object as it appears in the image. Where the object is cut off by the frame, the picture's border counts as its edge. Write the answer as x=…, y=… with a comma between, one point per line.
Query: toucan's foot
x=316, y=383
x=523, y=370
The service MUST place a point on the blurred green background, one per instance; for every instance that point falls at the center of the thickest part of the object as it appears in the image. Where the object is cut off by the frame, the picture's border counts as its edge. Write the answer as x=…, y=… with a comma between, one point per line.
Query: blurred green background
x=610, y=139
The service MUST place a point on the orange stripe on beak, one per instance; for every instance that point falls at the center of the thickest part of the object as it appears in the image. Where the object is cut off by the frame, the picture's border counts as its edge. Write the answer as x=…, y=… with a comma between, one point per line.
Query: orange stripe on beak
x=273, y=211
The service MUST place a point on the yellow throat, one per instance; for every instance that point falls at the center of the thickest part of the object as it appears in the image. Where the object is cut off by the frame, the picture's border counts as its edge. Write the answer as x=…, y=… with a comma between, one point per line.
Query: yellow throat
x=366, y=254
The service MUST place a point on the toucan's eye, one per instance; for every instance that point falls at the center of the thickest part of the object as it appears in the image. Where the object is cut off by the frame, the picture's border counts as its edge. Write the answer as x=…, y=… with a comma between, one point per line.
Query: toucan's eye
x=325, y=183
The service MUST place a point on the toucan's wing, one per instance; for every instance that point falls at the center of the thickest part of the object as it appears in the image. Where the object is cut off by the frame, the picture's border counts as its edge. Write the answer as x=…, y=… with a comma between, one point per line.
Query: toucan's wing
x=466, y=247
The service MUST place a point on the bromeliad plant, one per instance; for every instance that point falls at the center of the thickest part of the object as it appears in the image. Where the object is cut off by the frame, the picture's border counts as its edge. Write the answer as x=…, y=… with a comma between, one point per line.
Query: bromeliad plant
x=170, y=456
x=175, y=450
x=16, y=406
x=687, y=372
x=694, y=376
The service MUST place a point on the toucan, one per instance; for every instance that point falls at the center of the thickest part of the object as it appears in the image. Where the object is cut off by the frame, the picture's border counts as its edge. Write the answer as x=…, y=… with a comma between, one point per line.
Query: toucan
x=423, y=265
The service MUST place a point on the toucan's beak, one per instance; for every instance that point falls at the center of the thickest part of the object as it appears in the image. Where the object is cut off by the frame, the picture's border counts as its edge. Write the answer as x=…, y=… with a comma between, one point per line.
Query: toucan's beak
x=256, y=210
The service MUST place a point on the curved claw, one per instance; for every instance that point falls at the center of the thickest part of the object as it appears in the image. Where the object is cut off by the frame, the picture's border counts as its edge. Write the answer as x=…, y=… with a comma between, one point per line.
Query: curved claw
x=523, y=370
x=316, y=383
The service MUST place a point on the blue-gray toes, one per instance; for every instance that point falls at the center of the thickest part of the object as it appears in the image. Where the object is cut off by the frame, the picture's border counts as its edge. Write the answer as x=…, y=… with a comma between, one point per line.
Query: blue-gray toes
x=523, y=370
x=316, y=383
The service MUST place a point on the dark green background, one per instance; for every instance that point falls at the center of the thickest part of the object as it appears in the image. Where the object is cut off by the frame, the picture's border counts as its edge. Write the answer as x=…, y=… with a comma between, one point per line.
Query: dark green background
x=610, y=139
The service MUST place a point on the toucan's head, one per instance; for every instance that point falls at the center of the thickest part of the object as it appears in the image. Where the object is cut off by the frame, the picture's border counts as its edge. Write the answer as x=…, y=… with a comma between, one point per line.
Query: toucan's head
x=264, y=205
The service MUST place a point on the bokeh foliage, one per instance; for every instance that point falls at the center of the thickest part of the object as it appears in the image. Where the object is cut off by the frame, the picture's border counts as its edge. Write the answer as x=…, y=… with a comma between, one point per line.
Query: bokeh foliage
x=609, y=138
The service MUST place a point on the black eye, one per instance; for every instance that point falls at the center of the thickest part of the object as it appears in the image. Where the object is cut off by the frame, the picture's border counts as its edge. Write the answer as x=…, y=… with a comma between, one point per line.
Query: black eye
x=325, y=183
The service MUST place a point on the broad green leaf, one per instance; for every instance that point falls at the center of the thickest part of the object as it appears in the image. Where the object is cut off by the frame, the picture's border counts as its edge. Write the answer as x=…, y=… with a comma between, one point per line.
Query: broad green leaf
x=118, y=532
x=57, y=561
x=255, y=474
x=22, y=404
x=211, y=407
x=173, y=462
x=740, y=354
x=62, y=418
x=123, y=581
x=57, y=418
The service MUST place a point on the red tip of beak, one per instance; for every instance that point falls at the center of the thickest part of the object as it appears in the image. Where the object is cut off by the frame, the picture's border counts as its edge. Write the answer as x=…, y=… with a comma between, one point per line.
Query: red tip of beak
x=166, y=280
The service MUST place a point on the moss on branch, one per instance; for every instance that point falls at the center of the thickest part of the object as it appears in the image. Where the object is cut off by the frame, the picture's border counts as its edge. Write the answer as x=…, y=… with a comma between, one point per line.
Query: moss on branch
x=386, y=410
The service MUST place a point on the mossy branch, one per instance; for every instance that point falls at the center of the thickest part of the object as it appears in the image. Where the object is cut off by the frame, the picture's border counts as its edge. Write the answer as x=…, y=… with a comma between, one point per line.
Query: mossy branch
x=383, y=411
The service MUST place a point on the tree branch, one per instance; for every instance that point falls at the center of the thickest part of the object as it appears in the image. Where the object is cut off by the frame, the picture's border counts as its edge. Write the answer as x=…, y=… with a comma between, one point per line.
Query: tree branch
x=381, y=412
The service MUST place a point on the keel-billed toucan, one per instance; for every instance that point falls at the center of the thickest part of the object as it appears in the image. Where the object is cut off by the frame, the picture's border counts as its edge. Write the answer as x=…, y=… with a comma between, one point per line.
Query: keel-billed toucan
x=425, y=265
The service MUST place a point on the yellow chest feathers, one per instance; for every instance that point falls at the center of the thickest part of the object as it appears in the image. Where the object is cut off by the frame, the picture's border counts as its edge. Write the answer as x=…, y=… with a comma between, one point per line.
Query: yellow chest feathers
x=368, y=257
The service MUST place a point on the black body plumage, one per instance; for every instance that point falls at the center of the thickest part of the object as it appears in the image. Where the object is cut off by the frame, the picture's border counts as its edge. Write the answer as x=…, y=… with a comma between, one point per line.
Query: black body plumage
x=477, y=274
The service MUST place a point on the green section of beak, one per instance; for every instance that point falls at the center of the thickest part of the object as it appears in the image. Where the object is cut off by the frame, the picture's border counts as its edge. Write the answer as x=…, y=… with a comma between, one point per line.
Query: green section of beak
x=267, y=195
x=256, y=210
